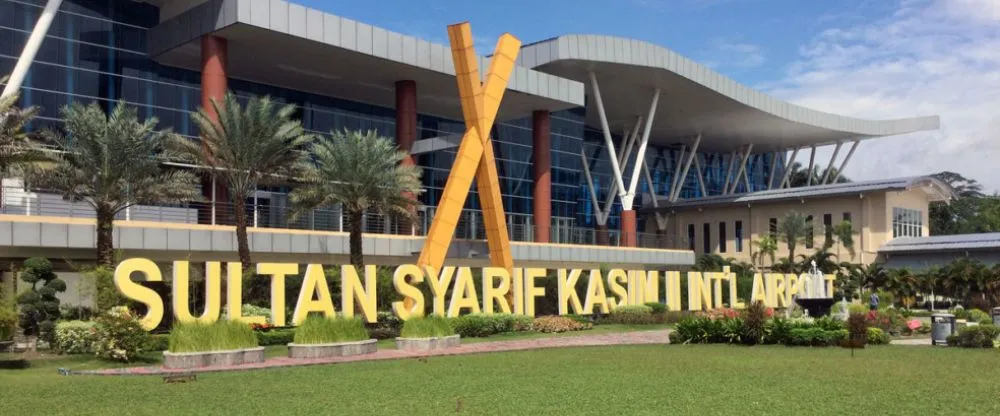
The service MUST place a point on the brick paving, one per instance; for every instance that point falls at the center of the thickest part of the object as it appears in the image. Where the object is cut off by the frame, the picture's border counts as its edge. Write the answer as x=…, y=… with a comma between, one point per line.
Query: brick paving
x=625, y=338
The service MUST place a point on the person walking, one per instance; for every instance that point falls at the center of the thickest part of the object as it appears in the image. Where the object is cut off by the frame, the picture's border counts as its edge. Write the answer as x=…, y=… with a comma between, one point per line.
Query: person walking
x=873, y=302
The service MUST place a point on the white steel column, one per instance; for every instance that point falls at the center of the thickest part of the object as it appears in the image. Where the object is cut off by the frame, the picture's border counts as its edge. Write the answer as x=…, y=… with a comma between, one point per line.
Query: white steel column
x=829, y=167
x=743, y=167
x=729, y=172
x=788, y=168
x=641, y=153
x=812, y=164
x=701, y=176
x=661, y=220
x=774, y=167
x=675, y=193
x=31, y=48
x=590, y=186
x=846, y=159
x=616, y=169
x=678, y=166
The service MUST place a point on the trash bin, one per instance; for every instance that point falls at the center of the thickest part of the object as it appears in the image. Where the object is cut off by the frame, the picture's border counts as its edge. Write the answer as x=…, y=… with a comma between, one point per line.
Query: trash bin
x=942, y=325
x=995, y=314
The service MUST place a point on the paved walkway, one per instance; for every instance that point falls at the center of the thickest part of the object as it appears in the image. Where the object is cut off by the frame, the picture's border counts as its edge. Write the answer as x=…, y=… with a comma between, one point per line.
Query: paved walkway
x=625, y=338
x=912, y=341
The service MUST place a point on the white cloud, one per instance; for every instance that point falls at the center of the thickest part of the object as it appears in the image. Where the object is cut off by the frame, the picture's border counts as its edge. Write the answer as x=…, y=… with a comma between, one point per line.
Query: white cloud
x=730, y=53
x=928, y=57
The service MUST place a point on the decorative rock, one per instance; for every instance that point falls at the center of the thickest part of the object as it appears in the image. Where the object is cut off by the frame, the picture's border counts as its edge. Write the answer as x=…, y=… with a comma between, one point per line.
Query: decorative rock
x=428, y=344
x=340, y=349
x=213, y=358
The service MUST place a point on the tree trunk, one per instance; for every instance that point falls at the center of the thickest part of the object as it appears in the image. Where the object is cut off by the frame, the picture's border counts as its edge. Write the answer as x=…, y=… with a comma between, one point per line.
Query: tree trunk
x=105, y=236
x=357, y=253
x=242, y=243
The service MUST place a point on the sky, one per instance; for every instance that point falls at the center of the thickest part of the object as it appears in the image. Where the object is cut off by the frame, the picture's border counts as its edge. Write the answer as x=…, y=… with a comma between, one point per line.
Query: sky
x=876, y=59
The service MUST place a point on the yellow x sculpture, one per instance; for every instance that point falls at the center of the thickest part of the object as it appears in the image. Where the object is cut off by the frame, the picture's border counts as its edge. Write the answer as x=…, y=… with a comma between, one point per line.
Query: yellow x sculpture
x=480, y=103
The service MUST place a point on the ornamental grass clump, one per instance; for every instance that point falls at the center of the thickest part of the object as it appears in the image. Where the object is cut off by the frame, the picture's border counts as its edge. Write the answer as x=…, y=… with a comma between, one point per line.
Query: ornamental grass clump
x=323, y=330
x=426, y=327
x=216, y=336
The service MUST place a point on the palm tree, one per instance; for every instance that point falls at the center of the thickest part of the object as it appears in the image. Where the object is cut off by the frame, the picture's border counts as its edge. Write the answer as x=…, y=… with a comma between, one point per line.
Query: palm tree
x=111, y=163
x=873, y=276
x=793, y=229
x=844, y=232
x=799, y=175
x=16, y=147
x=248, y=146
x=362, y=173
x=766, y=246
x=825, y=261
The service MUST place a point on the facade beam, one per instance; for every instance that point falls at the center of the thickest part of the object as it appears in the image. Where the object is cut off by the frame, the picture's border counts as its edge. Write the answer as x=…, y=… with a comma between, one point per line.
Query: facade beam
x=840, y=171
x=829, y=167
x=742, y=168
x=593, y=191
x=788, y=168
x=615, y=166
x=774, y=168
x=678, y=166
x=676, y=192
x=31, y=48
x=701, y=176
x=661, y=220
x=812, y=166
x=729, y=172
x=640, y=153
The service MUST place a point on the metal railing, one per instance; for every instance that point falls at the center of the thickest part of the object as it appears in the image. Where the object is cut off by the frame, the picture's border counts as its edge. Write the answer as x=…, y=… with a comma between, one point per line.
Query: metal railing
x=274, y=211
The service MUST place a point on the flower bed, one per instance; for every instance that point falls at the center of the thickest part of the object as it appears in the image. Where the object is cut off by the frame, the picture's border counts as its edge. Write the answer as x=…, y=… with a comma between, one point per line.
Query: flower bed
x=338, y=349
x=182, y=360
x=427, y=333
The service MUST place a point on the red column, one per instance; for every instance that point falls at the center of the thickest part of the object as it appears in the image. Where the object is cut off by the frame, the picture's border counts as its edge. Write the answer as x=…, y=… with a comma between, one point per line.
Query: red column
x=214, y=84
x=406, y=130
x=542, y=193
x=628, y=223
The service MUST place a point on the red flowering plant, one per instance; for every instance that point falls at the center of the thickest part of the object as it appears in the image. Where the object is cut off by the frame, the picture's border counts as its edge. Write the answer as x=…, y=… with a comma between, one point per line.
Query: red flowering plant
x=719, y=313
x=260, y=327
x=769, y=312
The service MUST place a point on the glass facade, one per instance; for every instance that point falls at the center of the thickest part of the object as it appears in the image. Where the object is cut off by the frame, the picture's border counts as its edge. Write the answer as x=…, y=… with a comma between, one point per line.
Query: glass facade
x=96, y=51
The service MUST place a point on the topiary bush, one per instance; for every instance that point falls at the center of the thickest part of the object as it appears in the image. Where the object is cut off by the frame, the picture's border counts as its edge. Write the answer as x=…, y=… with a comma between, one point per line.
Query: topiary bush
x=75, y=337
x=39, y=305
x=657, y=307
x=977, y=336
x=631, y=315
x=482, y=325
x=554, y=324
x=8, y=323
x=120, y=336
x=877, y=336
x=754, y=320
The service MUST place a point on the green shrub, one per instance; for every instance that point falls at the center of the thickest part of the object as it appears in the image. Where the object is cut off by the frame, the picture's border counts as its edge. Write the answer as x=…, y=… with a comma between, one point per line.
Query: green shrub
x=120, y=336
x=829, y=323
x=386, y=326
x=275, y=337
x=877, y=336
x=555, y=324
x=816, y=337
x=754, y=318
x=75, y=337
x=857, y=308
x=925, y=328
x=158, y=342
x=960, y=313
x=217, y=336
x=673, y=317
x=977, y=315
x=323, y=330
x=8, y=323
x=704, y=330
x=482, y=325
x=977, y=336
x=777, y=330
x=858, y=332
x=631, y=315
x=39, y=305
x=426, y=327
x=952, y=340
x=657, y=307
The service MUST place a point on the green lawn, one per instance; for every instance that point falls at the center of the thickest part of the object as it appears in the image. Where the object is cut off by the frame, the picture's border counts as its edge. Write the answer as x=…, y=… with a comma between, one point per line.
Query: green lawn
x=658, y=380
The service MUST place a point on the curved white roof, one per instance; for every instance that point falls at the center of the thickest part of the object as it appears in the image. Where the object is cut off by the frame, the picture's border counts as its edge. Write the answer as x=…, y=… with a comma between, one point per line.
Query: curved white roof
x=696, y=99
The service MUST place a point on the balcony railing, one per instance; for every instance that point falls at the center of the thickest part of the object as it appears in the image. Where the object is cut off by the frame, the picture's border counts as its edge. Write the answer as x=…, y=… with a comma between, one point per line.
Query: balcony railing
x=273, y=211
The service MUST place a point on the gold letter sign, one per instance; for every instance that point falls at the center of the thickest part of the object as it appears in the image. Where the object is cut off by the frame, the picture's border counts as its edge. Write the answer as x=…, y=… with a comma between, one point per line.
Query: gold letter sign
x=480, y=104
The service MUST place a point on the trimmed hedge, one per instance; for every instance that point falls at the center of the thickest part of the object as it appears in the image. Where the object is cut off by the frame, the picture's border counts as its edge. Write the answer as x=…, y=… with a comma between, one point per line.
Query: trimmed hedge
x=977, y=336
x=482, y=325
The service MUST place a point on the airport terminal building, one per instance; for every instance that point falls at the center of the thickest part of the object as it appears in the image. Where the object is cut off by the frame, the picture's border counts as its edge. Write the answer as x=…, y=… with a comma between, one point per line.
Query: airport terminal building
x=597, y=140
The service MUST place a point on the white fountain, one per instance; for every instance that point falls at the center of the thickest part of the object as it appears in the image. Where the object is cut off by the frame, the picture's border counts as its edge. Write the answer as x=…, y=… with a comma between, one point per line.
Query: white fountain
x=815, y=300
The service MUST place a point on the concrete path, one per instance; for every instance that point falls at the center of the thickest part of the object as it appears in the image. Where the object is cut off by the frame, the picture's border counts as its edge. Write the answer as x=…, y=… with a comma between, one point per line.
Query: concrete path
x=625, y=338
x=912, y=341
